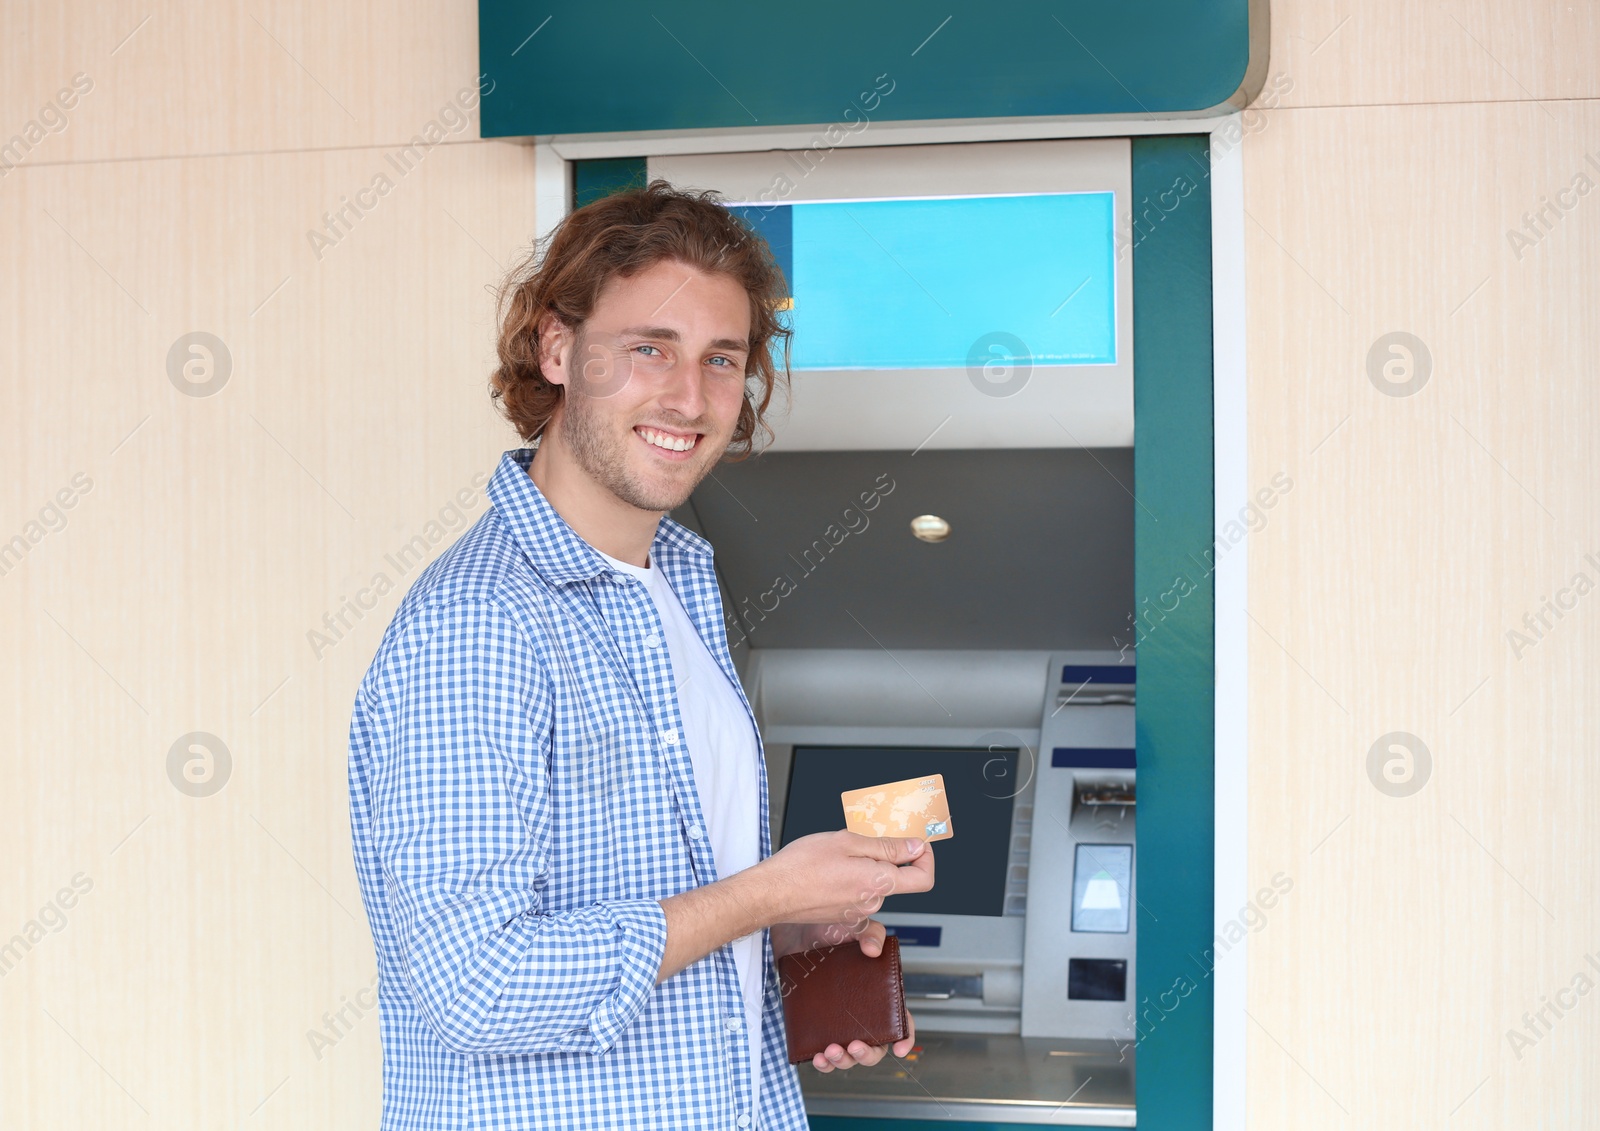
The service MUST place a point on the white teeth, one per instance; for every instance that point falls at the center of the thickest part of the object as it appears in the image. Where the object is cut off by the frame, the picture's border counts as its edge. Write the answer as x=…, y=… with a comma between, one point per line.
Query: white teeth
x=663, y=440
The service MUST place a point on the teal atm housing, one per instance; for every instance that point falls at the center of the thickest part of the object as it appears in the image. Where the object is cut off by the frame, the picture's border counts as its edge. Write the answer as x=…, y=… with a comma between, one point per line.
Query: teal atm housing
x=623, y=66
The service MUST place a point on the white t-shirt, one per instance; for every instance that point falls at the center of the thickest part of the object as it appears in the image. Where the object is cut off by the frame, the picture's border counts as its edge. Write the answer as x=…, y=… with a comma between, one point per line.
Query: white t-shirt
x=722, y=748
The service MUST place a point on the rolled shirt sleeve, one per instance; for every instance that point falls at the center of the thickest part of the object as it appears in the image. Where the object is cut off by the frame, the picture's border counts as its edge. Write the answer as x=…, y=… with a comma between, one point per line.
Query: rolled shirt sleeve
x=462, y=819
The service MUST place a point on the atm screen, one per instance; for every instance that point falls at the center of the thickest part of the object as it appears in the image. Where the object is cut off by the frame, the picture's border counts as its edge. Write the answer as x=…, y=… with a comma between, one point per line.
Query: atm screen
x=970, y=867
x=996, y=254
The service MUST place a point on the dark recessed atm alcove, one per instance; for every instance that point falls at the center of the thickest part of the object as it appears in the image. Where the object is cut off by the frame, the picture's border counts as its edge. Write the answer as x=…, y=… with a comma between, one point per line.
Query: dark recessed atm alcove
x=1040, y=554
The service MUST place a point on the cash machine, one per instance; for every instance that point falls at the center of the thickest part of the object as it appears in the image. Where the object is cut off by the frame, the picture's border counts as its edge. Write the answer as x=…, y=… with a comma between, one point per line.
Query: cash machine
x=1020, y=963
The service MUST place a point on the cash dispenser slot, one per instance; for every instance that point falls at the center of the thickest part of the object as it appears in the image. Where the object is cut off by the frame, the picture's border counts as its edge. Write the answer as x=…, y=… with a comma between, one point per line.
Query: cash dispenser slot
x=943, y=987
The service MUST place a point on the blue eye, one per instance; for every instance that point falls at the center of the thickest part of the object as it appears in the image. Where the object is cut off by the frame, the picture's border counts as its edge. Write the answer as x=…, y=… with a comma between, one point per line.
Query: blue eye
x=645, y=347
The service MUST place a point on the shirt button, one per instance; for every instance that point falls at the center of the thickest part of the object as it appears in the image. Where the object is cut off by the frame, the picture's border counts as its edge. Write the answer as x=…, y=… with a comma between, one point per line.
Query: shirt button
x=743, y=1121
x=732, y=1022
x=696, y=832
x=670, y=737
x=652, y=641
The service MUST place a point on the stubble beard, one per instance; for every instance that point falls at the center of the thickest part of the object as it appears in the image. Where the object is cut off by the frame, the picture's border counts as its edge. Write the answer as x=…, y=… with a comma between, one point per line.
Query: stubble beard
x=604, y=456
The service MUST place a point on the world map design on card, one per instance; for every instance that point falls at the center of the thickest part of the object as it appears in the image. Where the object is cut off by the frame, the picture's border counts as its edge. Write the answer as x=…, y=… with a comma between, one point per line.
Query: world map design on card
x=915, y=807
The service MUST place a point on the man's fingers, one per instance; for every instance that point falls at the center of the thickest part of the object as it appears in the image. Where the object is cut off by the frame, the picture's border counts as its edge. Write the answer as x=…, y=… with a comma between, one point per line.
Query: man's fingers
x=924, y=863
x=872, y=936
x=903, y=1048
x=893, y=849
x=830, y=1058
x=916, y=875
x=859, y=1053
x=867, y=1055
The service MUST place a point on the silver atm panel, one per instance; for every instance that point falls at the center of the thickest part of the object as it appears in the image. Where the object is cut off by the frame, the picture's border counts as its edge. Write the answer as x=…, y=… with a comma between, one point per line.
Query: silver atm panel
x=1020, y=1017
x=963, y=972
x=1082, y=928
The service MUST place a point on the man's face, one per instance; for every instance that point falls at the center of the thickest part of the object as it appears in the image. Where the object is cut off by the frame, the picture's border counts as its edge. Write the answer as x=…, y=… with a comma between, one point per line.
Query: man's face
x=659, y=366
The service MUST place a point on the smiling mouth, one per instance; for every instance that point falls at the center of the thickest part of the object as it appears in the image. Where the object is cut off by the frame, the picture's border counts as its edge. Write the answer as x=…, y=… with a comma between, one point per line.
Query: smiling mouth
x=668, y=441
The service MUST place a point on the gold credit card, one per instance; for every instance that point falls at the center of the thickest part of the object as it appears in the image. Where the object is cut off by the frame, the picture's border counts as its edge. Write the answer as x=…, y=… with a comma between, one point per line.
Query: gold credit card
x=915, y=807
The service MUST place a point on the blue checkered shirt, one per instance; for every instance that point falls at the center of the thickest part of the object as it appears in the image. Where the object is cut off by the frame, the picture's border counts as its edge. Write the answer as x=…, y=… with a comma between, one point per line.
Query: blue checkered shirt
x=520, y=798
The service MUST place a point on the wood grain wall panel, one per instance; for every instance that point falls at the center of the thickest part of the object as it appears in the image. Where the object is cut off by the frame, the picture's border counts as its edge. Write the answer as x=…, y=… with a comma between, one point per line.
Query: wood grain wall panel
x=188, y=78
x=193, y=79
x=184, y=948
x=208, y=535
x=1374, y=53
x=1421, y=529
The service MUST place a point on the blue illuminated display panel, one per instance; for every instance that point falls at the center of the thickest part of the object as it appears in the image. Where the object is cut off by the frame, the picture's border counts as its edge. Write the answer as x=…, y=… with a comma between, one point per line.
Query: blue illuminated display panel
x=919, y=283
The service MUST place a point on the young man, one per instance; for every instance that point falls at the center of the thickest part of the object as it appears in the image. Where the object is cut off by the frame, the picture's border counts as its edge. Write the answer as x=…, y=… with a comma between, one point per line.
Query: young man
x=557, y=794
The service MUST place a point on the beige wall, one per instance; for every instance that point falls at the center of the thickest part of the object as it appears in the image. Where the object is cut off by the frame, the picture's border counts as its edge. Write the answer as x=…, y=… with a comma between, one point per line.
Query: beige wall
x=208, y=535
x=1420, y=530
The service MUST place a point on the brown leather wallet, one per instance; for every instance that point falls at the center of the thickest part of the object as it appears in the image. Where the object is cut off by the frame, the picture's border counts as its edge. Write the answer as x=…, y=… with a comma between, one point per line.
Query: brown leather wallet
x=836, y=994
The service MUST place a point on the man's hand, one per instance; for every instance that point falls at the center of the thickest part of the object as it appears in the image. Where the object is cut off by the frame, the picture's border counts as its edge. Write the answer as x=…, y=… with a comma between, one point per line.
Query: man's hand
x=859, y=1052
x=904, y=866
x=843, y=877
x=836, y=878
x=790, y=938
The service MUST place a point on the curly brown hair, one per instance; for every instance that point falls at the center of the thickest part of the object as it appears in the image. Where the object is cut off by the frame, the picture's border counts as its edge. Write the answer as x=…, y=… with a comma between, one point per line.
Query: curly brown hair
x=621, y=235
